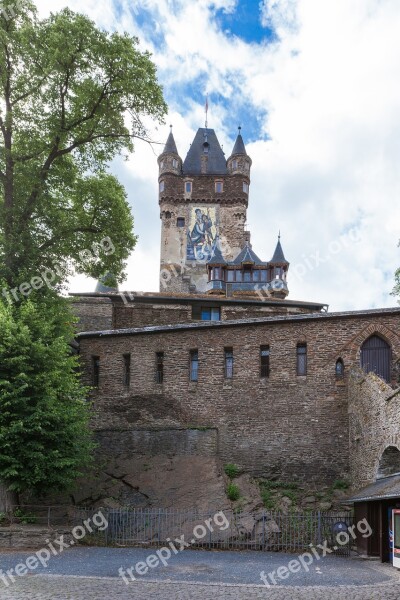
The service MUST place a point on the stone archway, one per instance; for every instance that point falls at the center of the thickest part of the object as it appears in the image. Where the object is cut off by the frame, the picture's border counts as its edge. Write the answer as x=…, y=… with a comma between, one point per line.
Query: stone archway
x=389, y=463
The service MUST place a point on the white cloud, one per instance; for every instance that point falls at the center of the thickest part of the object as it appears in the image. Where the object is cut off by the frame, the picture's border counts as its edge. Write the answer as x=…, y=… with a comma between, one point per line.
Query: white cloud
x=331, y=89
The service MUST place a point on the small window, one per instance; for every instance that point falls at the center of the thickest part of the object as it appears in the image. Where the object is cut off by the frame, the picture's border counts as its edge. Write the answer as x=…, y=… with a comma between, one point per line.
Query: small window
x=239, y=276
x=159, y=367
x=234, y=165
x=175, y=163
x=219, y=187
x=211, y=313
x=95, y=371
x=263, y=274
x=194, y=365
x=264, y=361
x=246, y=188
x=228, y=363
x=256, y=275
x=247, y=276
x=162, y=164
x=339, y=369
x=127, y=370
x=180, y=222
x=162, y=186
x=188, y=187
x=230, y=275
x=301, y=359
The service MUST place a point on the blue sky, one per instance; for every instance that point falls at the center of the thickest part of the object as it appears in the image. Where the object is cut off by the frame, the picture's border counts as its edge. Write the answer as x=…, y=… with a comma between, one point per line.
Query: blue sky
x=314, y=86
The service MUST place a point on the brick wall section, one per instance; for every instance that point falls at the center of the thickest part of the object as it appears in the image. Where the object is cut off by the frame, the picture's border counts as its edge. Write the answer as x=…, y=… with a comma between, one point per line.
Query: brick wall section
x=94, y=314
x=287, y=427
x=374, y=419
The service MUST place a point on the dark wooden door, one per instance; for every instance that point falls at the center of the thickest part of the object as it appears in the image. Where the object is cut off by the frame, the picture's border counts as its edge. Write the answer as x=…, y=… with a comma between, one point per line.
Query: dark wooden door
x=374, y=520
x=376, y=357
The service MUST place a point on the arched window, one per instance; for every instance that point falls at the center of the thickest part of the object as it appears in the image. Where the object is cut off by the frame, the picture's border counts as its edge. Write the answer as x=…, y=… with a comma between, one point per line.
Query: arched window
x=376, y=357
x=339, y=369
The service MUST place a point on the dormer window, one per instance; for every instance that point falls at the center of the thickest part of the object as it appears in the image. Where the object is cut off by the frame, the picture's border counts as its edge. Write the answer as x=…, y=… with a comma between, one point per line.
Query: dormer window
x=188, y=187
x=219, y=187
x=162, y=186
x=206, y=147
x=175, y=163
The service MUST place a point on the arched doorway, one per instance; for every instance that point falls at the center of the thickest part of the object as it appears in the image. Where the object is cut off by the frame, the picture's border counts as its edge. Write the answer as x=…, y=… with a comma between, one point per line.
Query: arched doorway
x=389, y=463
x=376, y=357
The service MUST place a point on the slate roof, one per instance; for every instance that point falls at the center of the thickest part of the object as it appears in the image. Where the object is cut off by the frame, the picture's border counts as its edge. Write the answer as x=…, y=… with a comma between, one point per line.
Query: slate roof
x=239, y=323
x=278, y=256
x=216, y=257
x=247, y=255
x=239, y=147
x=387, y=487
x=216, y=164
x=170, y=146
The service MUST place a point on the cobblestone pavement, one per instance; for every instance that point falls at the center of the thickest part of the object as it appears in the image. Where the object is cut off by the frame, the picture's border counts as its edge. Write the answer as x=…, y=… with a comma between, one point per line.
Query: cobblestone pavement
x=54, y=587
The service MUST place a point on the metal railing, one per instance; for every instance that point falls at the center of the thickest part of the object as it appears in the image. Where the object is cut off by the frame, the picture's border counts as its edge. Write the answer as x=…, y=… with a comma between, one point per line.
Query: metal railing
x=225, y=530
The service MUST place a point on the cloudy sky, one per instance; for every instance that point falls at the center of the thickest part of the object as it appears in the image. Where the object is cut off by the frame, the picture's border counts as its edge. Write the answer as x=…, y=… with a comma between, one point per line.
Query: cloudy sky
x=315, y=85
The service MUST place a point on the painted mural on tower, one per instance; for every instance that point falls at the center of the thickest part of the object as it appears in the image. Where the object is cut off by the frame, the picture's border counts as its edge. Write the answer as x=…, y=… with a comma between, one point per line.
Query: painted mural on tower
x=201, y=233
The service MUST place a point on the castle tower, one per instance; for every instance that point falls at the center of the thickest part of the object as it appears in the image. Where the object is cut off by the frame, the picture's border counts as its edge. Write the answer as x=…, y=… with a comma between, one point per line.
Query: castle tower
x=202, y=199
x=278, y=267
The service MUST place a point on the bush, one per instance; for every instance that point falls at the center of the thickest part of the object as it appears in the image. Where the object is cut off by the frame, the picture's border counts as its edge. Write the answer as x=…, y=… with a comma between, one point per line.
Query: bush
x=231, y=470
x=232, y=491
x=340, y=484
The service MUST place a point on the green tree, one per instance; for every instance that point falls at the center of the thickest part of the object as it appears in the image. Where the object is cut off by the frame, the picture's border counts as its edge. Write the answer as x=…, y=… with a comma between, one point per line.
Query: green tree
x=45, y=440
x=73, y=97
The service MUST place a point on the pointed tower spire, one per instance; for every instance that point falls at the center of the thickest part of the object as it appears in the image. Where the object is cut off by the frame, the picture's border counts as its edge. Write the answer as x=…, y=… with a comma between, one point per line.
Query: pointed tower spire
x=239, y=147
x=170, y=146
x=169, y=160
x=278, y=257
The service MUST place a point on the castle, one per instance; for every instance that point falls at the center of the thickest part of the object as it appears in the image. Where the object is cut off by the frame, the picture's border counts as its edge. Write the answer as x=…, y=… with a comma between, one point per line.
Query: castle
x=220, y=365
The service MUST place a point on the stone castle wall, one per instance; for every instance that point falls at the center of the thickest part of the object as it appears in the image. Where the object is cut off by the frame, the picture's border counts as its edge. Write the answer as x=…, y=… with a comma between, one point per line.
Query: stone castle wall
x=287, y=427
x=374, y=419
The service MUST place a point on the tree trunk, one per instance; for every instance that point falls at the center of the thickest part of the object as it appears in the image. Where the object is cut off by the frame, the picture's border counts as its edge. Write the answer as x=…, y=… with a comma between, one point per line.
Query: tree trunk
x=8, y=500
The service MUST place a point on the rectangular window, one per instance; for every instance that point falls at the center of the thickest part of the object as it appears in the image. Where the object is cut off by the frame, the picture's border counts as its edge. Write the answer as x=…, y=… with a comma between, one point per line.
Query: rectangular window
x=180, y=222
x=95, y=371
x=194, y=365
x=159, y=367
x=246, y=188
x=228, y=363
x=162, y=186
x=264, y=361
x=188, y=187
x=256, y=275
x=219, y=187
x=301, y=359
x=234, y=165
x=175, y=163
x=210, y=313
x=231, y=276
x=127, y=370
x=247, y=276
x=263, y=275
x=239, y=276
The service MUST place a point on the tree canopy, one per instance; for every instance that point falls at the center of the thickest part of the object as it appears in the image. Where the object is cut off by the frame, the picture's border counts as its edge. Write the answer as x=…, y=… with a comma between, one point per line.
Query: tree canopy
x=45, y=440
x=73, y=97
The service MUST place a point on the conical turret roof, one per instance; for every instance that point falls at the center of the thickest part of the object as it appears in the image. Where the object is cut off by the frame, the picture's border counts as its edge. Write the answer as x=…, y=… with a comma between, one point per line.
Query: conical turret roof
x=239, y=147
x=170, y=146
x=279, y=257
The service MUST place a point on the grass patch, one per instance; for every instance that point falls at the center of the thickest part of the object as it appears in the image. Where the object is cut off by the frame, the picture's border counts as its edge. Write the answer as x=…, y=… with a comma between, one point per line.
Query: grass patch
x=233, y=492
x=340, y=484
x=231, y=470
